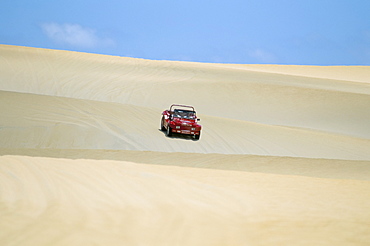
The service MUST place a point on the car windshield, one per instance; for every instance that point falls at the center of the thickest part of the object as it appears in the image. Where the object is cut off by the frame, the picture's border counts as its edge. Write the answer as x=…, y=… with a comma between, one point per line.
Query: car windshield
x=184, y=114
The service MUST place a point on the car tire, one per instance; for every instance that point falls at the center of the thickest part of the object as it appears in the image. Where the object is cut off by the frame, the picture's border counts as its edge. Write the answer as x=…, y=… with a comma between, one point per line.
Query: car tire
x=162, y=125
x=196, y=137
x=169, y=131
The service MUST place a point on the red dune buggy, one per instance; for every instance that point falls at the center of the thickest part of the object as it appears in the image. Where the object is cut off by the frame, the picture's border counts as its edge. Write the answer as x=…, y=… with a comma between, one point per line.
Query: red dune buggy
x=181, y=119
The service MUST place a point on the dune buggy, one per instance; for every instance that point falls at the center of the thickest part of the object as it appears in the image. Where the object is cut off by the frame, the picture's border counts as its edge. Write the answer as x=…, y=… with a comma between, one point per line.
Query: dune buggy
x=181, y=119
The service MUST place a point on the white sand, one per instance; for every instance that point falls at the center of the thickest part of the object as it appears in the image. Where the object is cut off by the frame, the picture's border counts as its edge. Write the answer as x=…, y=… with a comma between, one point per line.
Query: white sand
x=284, y=156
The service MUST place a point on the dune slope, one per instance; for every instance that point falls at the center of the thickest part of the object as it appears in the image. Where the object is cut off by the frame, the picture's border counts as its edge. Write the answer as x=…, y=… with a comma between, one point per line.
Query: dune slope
x=77, y=202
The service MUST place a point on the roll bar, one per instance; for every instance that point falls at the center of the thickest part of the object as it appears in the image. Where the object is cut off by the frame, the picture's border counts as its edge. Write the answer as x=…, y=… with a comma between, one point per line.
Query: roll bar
x=184, y=106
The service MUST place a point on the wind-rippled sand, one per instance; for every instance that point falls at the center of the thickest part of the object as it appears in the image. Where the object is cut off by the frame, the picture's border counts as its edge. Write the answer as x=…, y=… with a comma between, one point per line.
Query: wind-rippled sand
x=284, y=156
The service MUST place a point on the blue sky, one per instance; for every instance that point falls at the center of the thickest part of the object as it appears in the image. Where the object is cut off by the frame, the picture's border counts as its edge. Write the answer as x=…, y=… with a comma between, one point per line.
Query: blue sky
x=310, y=32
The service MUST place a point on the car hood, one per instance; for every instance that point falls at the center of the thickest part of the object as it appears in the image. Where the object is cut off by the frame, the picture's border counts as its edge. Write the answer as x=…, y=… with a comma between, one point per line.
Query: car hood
x=185, y=122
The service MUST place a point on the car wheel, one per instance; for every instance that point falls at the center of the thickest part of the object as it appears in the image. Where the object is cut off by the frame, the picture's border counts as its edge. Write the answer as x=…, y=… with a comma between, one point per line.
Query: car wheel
x=169, y=131
x=196, y=137
x=162, y=126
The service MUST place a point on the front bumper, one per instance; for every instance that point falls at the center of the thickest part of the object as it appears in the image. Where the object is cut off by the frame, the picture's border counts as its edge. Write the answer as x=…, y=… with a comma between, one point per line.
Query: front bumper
x=188, y=132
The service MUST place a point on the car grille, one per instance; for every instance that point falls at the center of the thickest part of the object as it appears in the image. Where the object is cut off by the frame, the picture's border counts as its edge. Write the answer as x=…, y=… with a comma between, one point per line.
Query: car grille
x=189, y=128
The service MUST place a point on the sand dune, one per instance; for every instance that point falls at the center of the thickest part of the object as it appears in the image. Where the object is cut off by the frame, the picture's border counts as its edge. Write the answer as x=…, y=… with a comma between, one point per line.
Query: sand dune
x=36, y=121
x=284, y=156
x=247, y=94
x=109, y=202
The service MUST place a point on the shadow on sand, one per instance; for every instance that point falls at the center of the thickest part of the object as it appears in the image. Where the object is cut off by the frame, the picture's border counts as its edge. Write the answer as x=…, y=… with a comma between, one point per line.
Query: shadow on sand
x=179, y=136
